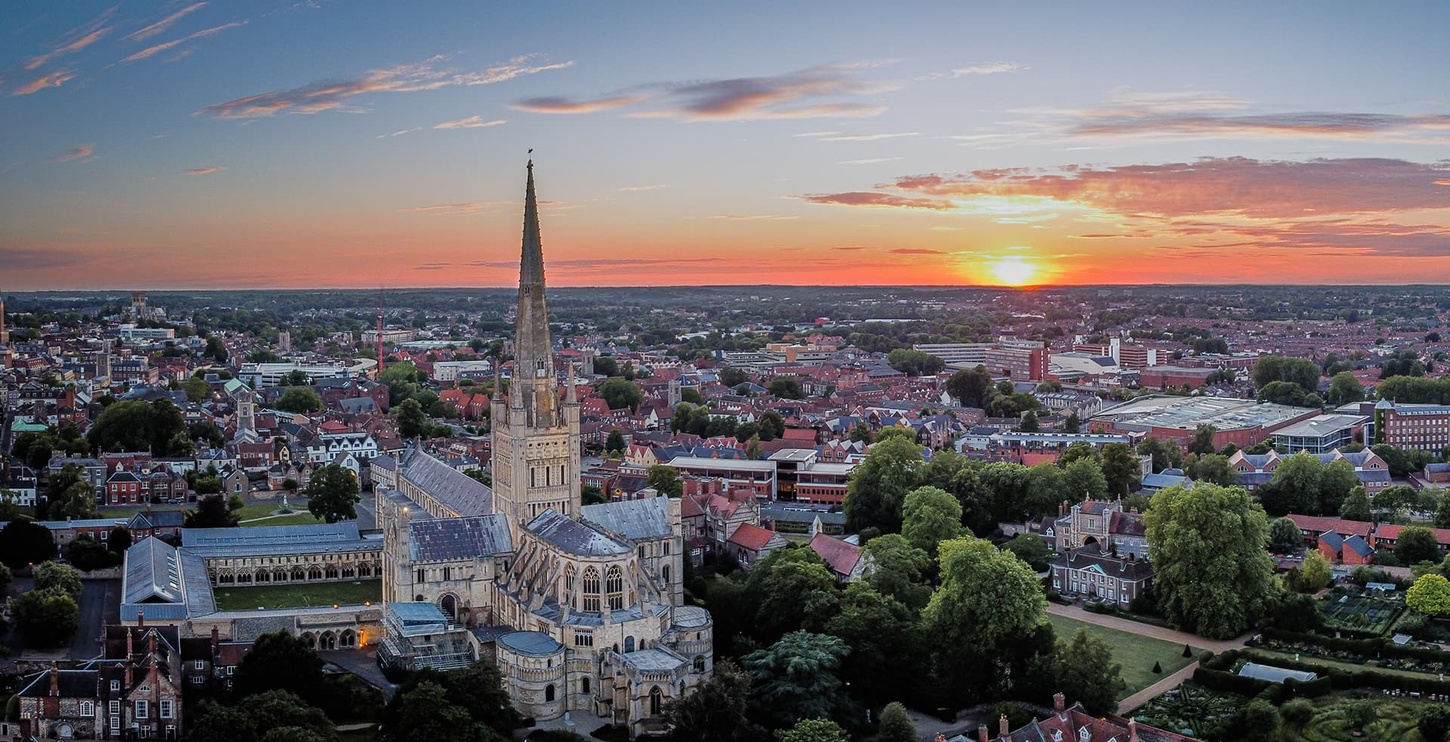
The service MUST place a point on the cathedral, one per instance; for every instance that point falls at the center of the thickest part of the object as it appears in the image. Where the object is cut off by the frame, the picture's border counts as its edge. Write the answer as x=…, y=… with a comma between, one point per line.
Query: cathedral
x=581, y=607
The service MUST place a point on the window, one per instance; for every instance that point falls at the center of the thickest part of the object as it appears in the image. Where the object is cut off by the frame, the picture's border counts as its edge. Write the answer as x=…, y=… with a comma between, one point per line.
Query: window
x=700, y=663
x=115, y=685
x=665, y=572
x=114, y=707
x=199, y=665
x=197, y=680
x=422, y=575
x=656, y=700
x=666, y=547
x=591, y=589
x=548, y=693
x=88, y=708
x=165, y=708
x=115, y=725
x=447, y=573
x=584, y=685
x=142, y=709
x=615, y=585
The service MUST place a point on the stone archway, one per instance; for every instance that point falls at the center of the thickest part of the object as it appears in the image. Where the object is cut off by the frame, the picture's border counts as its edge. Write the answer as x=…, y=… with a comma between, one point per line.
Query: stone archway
x=310, y=638
x=449, y=605
x=327, y=641
x=348, y=638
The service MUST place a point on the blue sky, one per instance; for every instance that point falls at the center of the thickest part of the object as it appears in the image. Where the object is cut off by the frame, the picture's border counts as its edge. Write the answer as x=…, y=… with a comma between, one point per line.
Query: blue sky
x=216, y=144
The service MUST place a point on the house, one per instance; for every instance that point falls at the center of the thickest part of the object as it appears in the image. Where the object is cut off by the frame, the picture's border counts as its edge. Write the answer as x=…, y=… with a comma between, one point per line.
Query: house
x=1103, y=524
x=709, y=521
x=1091, y=571
x=749, y=544
x=1072, y=724
x=1385, y=535
x=1256, y=470
x=1310, y=526
x=1337, y=549
x=159, y=523
x=123, y=488
x=844, y=559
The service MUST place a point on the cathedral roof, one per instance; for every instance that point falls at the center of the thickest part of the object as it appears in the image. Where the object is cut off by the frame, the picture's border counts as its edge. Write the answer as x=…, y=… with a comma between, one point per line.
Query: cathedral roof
x=574, y=537
x=633, y=519
x=455, y=490
x=444, y=539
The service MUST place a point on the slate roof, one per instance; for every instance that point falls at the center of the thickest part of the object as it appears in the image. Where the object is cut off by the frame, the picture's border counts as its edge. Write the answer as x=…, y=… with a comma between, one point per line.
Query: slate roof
x=70, y=683
x=654, y=660
x=156, y=519
x=153, y=571
x=313, y=534
x=531, y=643
x=574, y=537
x=632, y=519
x=445, y=539
x=1091, y=556
x=456, y=490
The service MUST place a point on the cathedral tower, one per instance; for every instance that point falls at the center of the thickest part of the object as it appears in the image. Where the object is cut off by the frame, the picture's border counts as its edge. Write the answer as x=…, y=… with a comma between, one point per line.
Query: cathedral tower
x=535, y=432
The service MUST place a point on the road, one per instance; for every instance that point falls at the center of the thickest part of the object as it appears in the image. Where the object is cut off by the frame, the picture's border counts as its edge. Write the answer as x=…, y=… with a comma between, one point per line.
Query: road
x=100, y=602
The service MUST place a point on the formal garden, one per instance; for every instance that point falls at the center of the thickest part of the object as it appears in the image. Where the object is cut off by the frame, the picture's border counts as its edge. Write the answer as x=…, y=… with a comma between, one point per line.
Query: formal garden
x=1365, y=609
x=1145, y=660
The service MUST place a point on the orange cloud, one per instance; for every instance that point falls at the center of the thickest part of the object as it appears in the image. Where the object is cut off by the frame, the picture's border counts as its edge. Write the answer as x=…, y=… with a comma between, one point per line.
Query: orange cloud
x=51, y=80
x=77, y=40
x=164, y=23
x=78, y=152
x=869, y=198
x=152, y=51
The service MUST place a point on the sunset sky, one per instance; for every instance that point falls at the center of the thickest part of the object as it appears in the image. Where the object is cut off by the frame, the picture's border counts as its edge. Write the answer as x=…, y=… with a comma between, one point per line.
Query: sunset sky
x=298, y=144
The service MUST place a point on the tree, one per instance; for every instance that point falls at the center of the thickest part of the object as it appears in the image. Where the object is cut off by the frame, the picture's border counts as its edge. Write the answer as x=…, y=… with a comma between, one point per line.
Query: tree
x=25, y=542
x=1429, y=595
x=1345, y=388
x=1212, y=574
x=283, y=662
x=1294, y=487
x=914, y=362
x=666, y=480
x=137, y=426
x=1395, y=459
x=1416, y=544
x=786, y=387
x=1029, y=422
x=732, y=377
x=1298, y=613
x=899, y=570
x=275, y=716
x=771, y=426
x=1261, y=720
x=425, y=714
x=301, y=399
x=1202, y=443
x=196, y=388
x=1356, y=506
x=401, y=379
x=1121, y=468
x=885, y=643
x=412, y=423
x=1072, y=423
x=1314, y=573
x=1030, y=548
x=796, y=679
x=986, y=619
x=71, y=498
x=1434, y=723
x=215, y=349
x=1078, y=451
x=619, y=393
x=1286, y=393
x=973, y=388
x=813, y=730
x=89, y=554
x=1213, y=469
x=930, y=516
x=1299, y=371
x=614, y=442
x=715, y=710
x=211, y=512
x=1284, y=536
x=1442, y=510
x=1083, y=479
x=791, y=589
x=877, y=488
x=896, y=725
x=332, y=494
x=1166, y=455
x=61, y=578
x=45, y=618
x=1085, y=670
x=860, y=433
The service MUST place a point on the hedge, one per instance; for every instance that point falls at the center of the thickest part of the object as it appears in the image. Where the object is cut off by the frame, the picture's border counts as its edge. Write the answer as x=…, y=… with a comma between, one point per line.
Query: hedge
x=1228, y=682
x=1367, y=648
x=1350, y=679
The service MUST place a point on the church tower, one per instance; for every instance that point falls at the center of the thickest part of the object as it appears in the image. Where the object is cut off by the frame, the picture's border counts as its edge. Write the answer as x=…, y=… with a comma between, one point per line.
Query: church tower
x=535, y=432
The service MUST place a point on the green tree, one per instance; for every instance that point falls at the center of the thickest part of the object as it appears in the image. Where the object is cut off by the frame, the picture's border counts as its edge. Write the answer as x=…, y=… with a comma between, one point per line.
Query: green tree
x=899, y=570
x=1416, y=544
x=1030, y=548
x=791, y=589
x=877, y=488
x=786, y=387
x=1345, y=388
x=412, y=423
x=986, y=619
x=1072, y=423
x=885, y=643
x=1429, y=595
x=71, y=497
x=1085, y=670
x=1284, y=536
x=401, y=379
x=45, y=618
x=973, y=388
x=930, y=516
x=280, y=661
x=61, y=578
x=1166, y=454
x=1121, y=468
x=137, y=426
x=25, y=542
x=1314, y=573
x=1434, y=723
x=332, y=494
x=614, y=442
x=715, y=710
x=813, y=730
x=1029, y=422
x=215, y=349
x=1442, y=510
x=301, y=399
x=1298, y=371
x=196, y=388
x=1294, y=488
x=1212, y=468
x=1212, y=574
x=211, y=512
x=425, y=714
x=896, y=725
x=620, y=393
x=666, y=480
x=732, y=377
x=1202, y=443
x=1356, y=506
x=1078, y=451
x=771, y=426
x=796, y=678
x=1047, y=486
x=914, y=362
x=860, y=433
x=1083, y=479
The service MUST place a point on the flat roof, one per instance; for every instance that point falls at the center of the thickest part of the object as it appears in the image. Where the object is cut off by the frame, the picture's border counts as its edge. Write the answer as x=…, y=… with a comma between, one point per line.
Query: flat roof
x=1322, y=425
x=1187, y=413
x=696, y=462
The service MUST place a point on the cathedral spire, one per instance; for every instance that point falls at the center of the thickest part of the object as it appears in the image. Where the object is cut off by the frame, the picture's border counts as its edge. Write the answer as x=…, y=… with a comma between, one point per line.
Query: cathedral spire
x=533, y=352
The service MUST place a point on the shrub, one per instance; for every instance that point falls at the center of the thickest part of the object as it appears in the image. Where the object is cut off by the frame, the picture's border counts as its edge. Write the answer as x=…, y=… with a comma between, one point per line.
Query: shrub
x=1297, y=711
x=1157, y=668
x=1434, y=724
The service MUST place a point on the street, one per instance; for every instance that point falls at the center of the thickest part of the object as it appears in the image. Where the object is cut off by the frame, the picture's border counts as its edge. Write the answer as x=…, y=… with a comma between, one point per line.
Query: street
x=100, y=602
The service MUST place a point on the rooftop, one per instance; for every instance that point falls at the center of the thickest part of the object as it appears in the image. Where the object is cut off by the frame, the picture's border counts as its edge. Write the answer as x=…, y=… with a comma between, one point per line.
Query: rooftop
x=1187, y=413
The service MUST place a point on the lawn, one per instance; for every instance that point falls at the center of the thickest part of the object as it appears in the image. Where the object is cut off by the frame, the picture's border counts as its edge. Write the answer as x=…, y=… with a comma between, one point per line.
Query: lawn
x=297, y=596
x=1136, y=654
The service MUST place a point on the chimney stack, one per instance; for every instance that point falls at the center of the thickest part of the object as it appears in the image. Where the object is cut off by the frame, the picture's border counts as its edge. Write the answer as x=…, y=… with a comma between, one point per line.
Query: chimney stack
x=1059, y=703
x=140, y=618
x=1004, y=727
x=215, y=641
x=54, y=680
x=982, y=733
x=1132, y=730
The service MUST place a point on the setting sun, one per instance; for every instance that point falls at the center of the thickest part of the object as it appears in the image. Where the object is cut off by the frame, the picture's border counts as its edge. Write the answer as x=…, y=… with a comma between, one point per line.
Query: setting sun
x=1013, y=270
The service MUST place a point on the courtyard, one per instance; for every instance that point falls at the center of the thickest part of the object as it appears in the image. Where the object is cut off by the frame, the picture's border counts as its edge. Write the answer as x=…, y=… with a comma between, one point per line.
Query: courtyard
x=308, y=595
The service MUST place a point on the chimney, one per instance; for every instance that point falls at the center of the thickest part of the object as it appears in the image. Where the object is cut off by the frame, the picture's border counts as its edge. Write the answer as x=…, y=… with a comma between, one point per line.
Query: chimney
x=1003, y=727
x=140, y=618
x=153, y=659
x=1059, y=703
x=54, y=680
x=129, y=650
x=982, y=733
x=1132, y=730
x=129, y=664
x=215, y=641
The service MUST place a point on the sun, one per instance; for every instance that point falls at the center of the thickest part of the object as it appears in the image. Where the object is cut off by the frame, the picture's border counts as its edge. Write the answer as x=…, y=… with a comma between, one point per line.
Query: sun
x=1013, y=270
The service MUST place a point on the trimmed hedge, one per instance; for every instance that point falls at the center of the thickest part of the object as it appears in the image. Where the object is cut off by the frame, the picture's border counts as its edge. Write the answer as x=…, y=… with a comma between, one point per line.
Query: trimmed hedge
x=1367, y=648
x=1228, y=682
x=1350, y=679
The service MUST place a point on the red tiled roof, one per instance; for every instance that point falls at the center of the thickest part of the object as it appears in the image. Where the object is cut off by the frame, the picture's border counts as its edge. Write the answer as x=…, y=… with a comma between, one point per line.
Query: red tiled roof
x=1392, y=532
x=751, y=537
x=1319, y=524
x=840, y=555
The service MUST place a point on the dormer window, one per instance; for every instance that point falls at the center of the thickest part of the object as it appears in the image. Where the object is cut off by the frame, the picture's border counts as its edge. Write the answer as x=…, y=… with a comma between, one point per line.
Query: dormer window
x=1084, y=734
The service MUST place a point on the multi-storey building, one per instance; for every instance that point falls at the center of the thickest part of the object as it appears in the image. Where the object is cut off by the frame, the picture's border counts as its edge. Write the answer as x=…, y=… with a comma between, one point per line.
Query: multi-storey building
x=1422, y=427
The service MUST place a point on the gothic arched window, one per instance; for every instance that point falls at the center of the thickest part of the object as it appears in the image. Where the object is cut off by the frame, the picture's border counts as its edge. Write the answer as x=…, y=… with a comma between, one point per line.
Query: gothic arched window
x=656, y=701
x=614, y=583
x=591, y=589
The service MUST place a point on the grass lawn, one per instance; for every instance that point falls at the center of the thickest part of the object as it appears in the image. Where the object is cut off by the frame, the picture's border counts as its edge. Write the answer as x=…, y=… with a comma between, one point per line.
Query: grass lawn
x=1135, y=653
x=297, y=596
